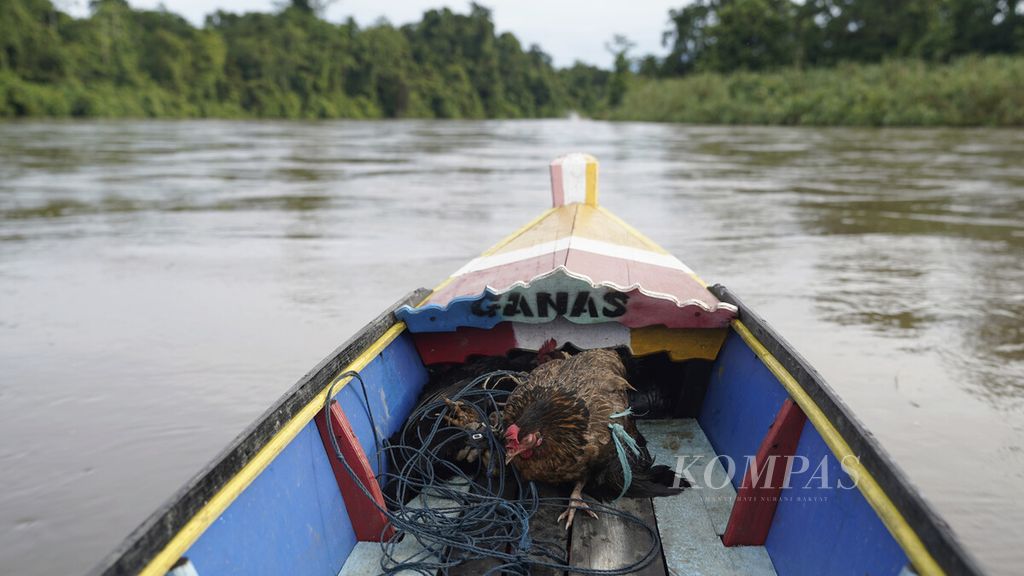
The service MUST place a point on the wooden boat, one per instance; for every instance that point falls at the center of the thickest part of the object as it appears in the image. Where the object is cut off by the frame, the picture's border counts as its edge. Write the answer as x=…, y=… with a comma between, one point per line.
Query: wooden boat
x=735, y=397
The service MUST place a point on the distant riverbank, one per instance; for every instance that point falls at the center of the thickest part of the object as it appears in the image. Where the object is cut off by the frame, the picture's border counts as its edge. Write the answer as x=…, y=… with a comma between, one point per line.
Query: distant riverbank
x=784, y=62
x=972, y=91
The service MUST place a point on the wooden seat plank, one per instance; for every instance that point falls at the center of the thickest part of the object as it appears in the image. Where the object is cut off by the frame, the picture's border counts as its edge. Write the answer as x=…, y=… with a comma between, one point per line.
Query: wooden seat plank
x=545, y=528
x=669, y=439
x=476, y=566
x=363, y=559
x=691, y=523
x=610, y=542
x=367, y=556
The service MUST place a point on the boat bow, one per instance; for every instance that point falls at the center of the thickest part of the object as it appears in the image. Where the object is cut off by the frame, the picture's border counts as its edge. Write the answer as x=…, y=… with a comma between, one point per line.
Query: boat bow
x=577, y=262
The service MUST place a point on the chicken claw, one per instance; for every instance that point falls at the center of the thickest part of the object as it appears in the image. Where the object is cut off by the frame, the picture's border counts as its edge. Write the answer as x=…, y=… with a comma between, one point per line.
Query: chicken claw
x=576, y=502
x=570, y=512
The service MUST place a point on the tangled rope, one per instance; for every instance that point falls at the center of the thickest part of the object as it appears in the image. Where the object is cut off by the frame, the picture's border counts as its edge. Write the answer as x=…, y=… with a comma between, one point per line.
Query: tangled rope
x=468, y=509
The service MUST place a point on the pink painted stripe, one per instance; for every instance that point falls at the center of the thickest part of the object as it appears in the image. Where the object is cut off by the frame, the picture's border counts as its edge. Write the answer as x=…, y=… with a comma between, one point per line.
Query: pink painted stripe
x=653, y=311
x=557, y=192
x=650, y=277
x=499, y=278
x=599, y=268
x=667, y=281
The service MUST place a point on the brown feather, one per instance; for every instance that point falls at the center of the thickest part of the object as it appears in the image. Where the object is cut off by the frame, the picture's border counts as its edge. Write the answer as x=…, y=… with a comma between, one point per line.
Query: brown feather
x=570, y=403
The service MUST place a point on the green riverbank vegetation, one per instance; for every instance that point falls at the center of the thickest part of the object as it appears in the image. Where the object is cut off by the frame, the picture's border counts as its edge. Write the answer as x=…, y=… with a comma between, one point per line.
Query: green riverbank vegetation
x=970, y=91
x=121, y=62
x=836, y=62
x=831, y=62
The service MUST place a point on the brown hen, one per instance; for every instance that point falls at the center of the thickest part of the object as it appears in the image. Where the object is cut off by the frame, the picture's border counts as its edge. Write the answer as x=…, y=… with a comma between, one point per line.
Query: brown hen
x=559, y=430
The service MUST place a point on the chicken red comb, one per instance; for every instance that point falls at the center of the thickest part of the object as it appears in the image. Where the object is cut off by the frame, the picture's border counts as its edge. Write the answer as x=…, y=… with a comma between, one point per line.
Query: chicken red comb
x=512, y=436
x=548, y=347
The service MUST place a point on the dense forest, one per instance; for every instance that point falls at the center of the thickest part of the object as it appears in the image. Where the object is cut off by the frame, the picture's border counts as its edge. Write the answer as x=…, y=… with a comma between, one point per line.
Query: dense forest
x=769, y=61
x=290, y=64
x=729, y=35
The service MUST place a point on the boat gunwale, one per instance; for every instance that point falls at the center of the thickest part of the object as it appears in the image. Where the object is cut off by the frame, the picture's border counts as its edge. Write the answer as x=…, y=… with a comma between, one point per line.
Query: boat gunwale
x=154, y=533
x=934, y=532
x=151, y=536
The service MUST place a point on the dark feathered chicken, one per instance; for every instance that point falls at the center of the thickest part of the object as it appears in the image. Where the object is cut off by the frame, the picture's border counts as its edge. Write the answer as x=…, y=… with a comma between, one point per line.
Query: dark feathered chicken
x=558, y=430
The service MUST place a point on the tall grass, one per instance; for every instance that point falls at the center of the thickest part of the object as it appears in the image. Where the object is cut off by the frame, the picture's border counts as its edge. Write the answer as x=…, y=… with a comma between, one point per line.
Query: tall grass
x=973, y=91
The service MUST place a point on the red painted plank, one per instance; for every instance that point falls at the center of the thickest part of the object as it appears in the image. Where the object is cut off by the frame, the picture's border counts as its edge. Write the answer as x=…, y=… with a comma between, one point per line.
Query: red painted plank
x=368, y=521
x=456, y=347
x=757, y=498
x=598, y=267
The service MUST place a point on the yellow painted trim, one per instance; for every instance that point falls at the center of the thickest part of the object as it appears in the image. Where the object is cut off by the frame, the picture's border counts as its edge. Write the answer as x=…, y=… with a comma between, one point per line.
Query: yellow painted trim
x=680, y=343
x=522, y=230
x=220, y=501
x=650, y=243
x=923, y=562
x=495, y=248
x=591, y=196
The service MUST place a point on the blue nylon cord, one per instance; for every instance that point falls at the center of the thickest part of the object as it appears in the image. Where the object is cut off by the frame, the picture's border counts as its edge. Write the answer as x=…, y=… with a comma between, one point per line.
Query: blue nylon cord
x=620, y=436
x=488, y=525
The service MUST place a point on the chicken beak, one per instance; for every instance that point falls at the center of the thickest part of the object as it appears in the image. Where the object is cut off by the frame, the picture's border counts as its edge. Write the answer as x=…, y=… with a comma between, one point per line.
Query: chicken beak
x=510, y=455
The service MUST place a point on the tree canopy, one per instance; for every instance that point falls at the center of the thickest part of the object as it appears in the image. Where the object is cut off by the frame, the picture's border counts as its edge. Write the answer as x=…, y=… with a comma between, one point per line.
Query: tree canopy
x=290, y=64
x=728, y=35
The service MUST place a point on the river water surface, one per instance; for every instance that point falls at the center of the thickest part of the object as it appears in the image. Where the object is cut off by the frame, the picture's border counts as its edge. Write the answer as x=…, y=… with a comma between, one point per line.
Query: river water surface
x=161, y=283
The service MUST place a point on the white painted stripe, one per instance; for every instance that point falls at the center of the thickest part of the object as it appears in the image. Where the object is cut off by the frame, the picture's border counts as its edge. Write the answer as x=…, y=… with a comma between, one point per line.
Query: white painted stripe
x=503, y=258
x=575, y=243
x=583, y=336
x=574, y=178
x=628, y=253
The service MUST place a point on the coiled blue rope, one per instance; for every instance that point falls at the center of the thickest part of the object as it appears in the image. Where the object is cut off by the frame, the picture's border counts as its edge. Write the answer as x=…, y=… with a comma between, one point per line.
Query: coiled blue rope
x=484, y=524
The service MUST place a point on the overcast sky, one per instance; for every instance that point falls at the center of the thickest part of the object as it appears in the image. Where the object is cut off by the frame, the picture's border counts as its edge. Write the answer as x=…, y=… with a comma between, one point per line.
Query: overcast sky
x=569, y=30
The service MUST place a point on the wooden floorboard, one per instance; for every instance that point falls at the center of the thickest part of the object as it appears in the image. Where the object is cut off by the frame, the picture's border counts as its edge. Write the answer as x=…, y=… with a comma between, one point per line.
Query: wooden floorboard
x=476, y=566
x=669, y=439
x=367, y=557
x=546, y=531
x=691, y=523
x=473, y=567
x=610, y=542
x=363, y=559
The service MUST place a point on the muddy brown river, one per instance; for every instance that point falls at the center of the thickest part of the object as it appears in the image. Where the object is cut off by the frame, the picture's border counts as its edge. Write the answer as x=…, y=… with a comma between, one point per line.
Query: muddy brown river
x=161, y=283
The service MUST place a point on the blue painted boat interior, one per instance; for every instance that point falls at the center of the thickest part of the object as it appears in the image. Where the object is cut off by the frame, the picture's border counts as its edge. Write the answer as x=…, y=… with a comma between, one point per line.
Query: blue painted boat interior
x=292, y=518
x=841, y=535
x=742, y=399
x=814, y=531
x=393, y=383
